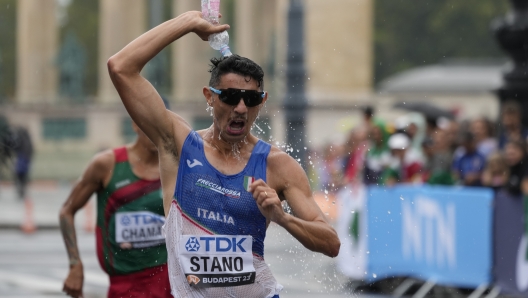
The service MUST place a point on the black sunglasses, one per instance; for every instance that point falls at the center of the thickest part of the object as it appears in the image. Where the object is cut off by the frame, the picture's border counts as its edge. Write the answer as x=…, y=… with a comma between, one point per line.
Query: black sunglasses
x=232, y=96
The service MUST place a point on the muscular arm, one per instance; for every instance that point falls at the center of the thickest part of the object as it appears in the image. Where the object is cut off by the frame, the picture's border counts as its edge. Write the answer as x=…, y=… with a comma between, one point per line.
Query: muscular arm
x=308, y=225
x=165, y=129
x=92, y=180
x=141, y=100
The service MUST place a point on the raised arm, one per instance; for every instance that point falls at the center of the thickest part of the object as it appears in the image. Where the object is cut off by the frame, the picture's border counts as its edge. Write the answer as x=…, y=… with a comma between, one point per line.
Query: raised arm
x=287, y=179
x=91, y=180
x=140, y=98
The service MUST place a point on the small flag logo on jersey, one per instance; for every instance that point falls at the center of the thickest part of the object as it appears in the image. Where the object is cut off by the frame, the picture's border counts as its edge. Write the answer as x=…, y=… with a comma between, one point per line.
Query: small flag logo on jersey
x=247, y=182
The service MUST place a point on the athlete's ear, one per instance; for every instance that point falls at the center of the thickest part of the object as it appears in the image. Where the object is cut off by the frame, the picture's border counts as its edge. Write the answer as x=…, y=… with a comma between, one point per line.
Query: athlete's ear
x=265, y=98
x=208, y=94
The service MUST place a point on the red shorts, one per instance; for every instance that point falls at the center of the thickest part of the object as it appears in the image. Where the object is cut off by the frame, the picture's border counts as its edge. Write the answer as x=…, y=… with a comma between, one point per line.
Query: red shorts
x=151, y=282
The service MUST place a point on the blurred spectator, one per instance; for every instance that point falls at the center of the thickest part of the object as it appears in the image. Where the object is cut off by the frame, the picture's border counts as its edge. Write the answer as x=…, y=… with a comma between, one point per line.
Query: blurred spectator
x=453, y=131
x=469, y=166
x=437, y=169
x=354, y=160
x=368, y=115
x=377, y=154
x=23, y=154
x=515, y=154
x=511, y=124
x=331, y=170
x=404, y=165
x=482, y=130
x=496, y=173
x=6, y=143
x=431, y=127
x=413, y=125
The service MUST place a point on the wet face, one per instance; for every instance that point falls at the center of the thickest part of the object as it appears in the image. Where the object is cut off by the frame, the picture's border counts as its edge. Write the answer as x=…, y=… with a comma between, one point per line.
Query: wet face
x=233, y=122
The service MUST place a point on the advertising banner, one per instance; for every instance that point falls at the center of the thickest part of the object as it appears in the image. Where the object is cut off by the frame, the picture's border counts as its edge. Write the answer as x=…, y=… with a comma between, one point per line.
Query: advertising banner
x=434, y=233
x=510, y=245
x=352, y=229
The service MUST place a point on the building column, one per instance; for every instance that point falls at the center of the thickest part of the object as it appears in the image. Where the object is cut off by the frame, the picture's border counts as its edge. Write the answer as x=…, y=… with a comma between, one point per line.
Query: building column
x=37, y=39
x=121, y=21
x=191, y=60
x=339, y=49
x=247, y=39
x=255, y=29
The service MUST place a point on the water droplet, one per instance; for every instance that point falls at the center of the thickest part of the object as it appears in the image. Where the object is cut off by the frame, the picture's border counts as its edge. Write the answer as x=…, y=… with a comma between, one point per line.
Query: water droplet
x=388, y=212
x=401, y=198
x=374, y=275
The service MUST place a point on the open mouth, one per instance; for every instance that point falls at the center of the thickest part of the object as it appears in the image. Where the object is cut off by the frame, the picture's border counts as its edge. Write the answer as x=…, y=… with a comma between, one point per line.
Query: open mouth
x=236, y=126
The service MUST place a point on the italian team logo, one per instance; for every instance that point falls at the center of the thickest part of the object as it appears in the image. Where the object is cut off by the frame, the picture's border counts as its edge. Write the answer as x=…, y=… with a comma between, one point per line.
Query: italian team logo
x=247, y=182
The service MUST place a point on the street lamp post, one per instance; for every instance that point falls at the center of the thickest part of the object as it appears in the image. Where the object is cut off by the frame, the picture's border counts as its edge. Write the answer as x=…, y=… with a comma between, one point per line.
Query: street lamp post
x=295, y=103
x=511, y=32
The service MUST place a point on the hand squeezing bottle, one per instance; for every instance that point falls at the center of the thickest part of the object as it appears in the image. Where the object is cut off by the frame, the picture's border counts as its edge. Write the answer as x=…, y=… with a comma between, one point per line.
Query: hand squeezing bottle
x=217, y=41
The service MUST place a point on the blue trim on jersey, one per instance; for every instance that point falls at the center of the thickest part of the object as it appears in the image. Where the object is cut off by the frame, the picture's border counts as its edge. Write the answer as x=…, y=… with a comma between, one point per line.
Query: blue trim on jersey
x=219, y=202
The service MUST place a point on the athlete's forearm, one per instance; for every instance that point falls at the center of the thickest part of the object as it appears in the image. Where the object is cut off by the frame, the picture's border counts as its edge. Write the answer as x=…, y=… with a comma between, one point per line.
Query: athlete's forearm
x=67, y=227
x=315, y=235
x=132, y=58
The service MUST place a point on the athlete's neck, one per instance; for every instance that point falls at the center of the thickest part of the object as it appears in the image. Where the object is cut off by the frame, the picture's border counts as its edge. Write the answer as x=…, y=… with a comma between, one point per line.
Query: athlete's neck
x=146, y=155
x=225, y=148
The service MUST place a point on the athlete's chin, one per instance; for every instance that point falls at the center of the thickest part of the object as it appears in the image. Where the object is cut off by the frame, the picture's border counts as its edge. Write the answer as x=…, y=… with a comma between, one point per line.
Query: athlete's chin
x=235, y=137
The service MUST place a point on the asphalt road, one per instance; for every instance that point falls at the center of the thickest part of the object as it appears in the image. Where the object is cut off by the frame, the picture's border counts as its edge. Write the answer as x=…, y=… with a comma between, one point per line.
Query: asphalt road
x=35, y=266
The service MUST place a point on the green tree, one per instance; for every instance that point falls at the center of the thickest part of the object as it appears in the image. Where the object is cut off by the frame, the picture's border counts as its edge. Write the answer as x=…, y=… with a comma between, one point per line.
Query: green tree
x=411, y=33
x=7, y=48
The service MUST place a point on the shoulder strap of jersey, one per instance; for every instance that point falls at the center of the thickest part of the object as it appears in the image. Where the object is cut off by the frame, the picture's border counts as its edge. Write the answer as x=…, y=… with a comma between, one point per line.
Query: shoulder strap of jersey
x=121, y=154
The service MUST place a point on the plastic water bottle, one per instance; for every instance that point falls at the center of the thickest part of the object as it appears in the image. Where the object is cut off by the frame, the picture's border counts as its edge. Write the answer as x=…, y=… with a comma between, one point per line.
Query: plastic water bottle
x=217, y=41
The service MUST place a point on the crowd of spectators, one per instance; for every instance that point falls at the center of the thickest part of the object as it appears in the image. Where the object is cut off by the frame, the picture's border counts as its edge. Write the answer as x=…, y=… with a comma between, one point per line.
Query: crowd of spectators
x=421, y=149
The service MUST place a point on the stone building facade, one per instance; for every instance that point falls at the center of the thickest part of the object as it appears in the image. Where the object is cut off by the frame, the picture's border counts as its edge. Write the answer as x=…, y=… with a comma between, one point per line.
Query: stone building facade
x=338, y=62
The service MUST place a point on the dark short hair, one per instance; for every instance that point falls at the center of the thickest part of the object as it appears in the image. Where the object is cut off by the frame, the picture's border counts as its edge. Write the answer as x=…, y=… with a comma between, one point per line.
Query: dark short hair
x=238, y=65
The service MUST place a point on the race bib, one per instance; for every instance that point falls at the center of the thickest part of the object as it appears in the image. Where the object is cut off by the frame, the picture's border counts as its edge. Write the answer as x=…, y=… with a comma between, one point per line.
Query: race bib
x=139, y=229
x=217, y=260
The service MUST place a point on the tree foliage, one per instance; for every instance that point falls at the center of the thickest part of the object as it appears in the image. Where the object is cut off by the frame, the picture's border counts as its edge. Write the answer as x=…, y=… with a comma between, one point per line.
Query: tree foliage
x=411, y=33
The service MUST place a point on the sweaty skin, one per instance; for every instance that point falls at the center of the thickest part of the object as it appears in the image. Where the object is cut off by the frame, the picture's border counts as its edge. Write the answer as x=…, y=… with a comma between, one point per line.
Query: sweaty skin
x=143, y=157
x=227, y=149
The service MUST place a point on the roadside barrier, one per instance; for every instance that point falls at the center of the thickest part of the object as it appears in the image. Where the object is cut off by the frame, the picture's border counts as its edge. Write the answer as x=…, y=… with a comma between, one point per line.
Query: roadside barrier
x=463, y=237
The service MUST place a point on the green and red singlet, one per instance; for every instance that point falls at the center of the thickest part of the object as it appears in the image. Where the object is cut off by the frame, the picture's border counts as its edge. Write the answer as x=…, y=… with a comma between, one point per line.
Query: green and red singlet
x=129, y=221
